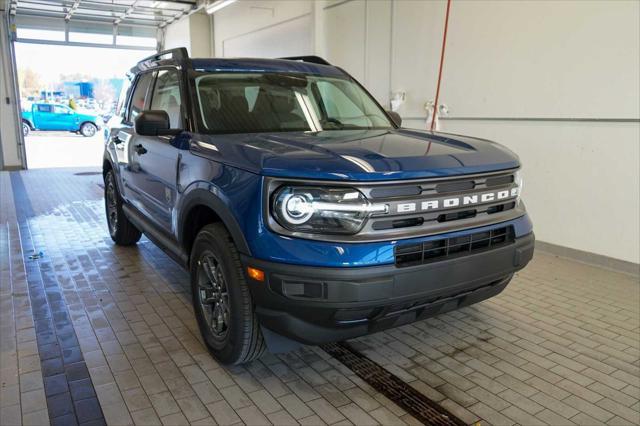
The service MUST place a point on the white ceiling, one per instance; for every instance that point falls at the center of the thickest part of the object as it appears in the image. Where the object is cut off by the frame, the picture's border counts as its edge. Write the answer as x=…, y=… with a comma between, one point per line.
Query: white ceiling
x=117, y=12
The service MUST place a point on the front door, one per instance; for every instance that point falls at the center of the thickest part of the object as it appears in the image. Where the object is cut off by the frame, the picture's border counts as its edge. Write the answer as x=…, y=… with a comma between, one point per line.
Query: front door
x=125, y=140
x=65, y=118
x=157, y=158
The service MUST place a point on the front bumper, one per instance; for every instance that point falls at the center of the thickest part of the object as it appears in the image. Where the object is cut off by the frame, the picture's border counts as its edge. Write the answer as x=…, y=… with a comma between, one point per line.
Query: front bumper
x=316, y=305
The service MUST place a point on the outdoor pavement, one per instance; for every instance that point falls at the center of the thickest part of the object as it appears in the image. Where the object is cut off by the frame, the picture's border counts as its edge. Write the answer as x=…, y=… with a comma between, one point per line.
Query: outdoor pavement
x=63, y=149
x=560, y=346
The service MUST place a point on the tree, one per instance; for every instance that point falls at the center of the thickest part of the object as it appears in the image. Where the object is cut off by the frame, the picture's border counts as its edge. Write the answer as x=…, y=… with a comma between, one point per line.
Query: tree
x=30, y=82
x=104, y=93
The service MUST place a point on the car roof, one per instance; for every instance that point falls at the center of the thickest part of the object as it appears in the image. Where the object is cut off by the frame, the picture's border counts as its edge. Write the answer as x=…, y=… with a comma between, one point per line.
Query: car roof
x=294, y=64
x=264, y=65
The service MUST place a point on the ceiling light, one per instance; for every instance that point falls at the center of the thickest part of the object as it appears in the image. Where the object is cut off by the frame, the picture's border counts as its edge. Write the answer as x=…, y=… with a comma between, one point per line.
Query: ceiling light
x=217, y=5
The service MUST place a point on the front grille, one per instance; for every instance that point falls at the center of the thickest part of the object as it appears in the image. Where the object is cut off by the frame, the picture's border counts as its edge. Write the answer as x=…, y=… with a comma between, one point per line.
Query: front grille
x=447, y=248
x=420, y=208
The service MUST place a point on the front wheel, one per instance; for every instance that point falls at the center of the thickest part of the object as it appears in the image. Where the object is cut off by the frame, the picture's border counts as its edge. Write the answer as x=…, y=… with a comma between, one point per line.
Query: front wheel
x=121, y=230
x=25, y=129
x=221, y=298
x=88, y=130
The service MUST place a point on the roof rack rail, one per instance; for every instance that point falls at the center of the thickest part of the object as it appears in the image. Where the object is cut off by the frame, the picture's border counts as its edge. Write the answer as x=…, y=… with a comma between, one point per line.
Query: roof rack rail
x=177, y=54
x=312, y=59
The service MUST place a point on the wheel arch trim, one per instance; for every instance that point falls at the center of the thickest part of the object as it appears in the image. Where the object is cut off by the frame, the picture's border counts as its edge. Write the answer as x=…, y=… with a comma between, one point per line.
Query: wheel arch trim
x=203, y=197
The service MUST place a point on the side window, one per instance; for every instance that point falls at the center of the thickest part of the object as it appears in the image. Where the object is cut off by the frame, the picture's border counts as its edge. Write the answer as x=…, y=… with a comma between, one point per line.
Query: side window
x=166, y=96
x=139, y=97
x=44, y=108
x=60, y=109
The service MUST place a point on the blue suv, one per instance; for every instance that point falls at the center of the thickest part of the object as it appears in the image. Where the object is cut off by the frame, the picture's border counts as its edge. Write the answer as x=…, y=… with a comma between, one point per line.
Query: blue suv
x=302, y=210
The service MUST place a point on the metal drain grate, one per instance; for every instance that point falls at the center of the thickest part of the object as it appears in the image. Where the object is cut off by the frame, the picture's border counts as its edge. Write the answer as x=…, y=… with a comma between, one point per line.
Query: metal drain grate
x=405, y=396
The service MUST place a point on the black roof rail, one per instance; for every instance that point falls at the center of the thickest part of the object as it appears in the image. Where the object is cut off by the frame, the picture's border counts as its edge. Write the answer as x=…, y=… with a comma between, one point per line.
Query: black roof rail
x=312, y=59
x=178, y=53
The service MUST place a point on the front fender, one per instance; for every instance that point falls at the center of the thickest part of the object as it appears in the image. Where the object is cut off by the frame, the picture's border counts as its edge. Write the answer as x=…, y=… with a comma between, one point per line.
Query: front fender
x=203, y=193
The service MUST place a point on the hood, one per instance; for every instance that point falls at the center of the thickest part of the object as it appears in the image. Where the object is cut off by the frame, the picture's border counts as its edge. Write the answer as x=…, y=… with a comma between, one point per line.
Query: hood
x=362, y=155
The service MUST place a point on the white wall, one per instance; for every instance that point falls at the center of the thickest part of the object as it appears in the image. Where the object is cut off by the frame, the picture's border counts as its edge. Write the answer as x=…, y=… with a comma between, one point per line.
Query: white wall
x=555, y=61
x=288, y=38
x=560, y=60
x=581, y=180
x=264, y=28
x=543, y=59
x=178, y=34
x=192, y=32
x=11, y=157
x=201, y=35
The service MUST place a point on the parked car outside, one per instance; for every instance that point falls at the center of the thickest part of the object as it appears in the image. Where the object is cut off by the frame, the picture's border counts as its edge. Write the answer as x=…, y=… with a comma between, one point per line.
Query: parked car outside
x=43, y=116
x=303, y=211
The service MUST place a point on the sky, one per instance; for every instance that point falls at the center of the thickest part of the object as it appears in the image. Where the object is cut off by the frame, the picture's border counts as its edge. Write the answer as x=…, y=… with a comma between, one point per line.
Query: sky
x=50, y=61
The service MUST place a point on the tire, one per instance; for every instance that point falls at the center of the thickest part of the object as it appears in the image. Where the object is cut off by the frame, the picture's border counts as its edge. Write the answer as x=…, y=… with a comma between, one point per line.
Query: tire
x=239, y=340
x=25, y=129
x=88, y=130
x=121, y=230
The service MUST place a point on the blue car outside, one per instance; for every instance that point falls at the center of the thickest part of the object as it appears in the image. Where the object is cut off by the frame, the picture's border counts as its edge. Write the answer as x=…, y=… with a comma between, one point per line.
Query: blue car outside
x=44, y=116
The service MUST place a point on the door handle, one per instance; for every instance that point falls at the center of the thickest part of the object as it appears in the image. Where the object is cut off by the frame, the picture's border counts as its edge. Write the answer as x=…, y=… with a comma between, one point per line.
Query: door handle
x=117, y=140
x=140, y=149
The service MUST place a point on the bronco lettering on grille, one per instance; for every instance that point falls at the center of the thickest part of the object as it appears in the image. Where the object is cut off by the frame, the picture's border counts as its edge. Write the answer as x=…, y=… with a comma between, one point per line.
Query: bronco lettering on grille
x=454, y=202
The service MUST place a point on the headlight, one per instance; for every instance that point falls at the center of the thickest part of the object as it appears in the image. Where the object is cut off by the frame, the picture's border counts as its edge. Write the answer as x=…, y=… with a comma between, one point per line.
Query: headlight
x=519, y=181
x=318, y=210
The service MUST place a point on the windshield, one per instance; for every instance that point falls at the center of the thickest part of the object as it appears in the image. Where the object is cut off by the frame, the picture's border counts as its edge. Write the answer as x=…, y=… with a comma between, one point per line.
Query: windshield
x=269, y=102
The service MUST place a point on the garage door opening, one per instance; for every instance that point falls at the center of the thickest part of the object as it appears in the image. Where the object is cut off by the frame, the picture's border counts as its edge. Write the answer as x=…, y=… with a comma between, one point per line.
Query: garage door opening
x=68, y=94
x=67, y=60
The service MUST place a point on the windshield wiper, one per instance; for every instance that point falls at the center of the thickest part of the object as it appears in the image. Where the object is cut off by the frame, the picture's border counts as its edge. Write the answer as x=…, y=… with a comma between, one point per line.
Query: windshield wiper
x=334, y=121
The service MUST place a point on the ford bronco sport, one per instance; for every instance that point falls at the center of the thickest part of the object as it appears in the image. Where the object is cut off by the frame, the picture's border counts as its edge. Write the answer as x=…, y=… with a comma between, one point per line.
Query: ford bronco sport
x=302, y=210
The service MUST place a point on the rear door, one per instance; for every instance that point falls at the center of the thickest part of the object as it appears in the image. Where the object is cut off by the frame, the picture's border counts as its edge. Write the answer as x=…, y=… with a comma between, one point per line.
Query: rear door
x=156, y=177
x=44, y=117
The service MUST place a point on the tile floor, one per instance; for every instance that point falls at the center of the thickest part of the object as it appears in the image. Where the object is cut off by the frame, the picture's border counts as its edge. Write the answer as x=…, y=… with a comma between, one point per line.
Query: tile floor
x=94, y=333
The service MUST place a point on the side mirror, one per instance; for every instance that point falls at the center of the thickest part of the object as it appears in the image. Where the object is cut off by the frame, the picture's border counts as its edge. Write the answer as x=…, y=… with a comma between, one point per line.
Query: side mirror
x=395, y=117
x=154, y=123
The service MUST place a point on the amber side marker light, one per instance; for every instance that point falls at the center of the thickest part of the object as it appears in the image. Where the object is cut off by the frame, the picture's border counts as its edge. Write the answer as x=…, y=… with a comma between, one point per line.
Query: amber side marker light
x=255, y=274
